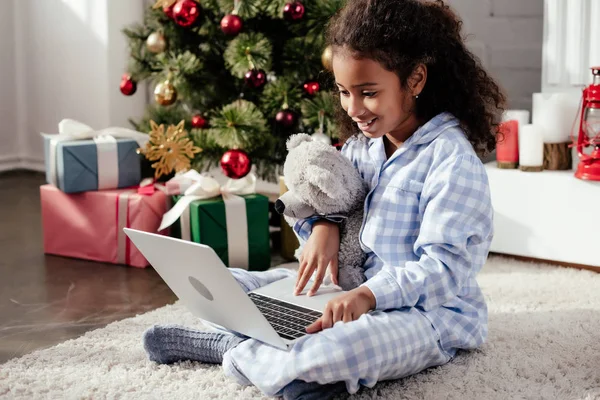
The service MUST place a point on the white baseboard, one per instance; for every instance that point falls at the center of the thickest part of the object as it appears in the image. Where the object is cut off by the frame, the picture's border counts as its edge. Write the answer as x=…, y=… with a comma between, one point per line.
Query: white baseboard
x=8, y=163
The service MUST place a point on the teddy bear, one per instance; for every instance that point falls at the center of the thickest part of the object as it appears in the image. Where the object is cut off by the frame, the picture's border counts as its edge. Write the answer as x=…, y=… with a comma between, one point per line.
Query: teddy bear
x=321, y=181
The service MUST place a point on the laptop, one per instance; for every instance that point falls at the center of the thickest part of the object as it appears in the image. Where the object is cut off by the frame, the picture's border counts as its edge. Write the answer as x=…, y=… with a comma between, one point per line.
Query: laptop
x=271, y=314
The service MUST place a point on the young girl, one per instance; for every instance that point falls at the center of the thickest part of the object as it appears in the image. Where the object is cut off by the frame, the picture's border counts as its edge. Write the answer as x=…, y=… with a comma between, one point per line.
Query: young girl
x=418, y=109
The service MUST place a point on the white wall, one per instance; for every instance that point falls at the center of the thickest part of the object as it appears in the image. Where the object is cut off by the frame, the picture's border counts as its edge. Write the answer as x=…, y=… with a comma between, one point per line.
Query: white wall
x=571, y=44
x=68, y=59
x=8, y=122
x=507, y=36
x=64, y=58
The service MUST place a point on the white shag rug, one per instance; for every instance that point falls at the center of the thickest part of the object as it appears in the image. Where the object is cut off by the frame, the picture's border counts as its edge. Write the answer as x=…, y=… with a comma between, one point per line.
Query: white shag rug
x=544, y=343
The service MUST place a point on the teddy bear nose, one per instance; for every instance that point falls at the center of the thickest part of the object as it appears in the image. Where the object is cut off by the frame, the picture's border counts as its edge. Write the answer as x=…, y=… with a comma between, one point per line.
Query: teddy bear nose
x=279, y=206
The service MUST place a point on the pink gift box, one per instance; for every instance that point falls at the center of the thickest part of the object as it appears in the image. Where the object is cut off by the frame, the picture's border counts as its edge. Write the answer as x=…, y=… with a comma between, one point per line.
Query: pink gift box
x=90, y=225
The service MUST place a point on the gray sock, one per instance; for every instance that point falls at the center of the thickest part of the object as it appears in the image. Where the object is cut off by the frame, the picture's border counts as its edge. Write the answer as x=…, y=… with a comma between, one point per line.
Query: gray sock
x=300, y=390
x=166, y=344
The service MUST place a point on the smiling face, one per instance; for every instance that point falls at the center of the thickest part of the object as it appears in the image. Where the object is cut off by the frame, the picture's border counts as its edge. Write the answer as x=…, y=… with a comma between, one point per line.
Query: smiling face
x=374, y=97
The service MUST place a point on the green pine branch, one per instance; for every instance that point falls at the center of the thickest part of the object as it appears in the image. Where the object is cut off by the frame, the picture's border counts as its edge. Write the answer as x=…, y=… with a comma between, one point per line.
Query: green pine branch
x=319, y=109
x=162, y=115
x=273, y=8
x=279, y=94
x=239, y=125
x=248, y=51
x=318, y=13
x=302, y=57
x=246, y=8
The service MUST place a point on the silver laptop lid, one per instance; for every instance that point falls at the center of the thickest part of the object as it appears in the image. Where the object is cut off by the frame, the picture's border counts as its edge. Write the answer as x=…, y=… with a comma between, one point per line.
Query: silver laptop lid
x=203, y=283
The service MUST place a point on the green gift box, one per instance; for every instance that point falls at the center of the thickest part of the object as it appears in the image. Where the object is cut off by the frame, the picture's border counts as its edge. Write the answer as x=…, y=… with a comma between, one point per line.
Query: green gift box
x=208, y=226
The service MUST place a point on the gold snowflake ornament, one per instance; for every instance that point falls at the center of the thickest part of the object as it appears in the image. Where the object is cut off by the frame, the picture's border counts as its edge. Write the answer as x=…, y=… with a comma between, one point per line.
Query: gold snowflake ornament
x=163, y=3
x=173, y=149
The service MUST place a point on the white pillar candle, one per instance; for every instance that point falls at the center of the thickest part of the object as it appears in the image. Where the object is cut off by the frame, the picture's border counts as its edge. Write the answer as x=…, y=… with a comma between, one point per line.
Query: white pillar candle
x=556, y=114
x=531, y=146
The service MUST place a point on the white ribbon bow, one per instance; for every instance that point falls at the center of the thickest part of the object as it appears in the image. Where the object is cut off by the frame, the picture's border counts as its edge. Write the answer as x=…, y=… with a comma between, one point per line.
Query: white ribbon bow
x=204, y=187
x=106, y=144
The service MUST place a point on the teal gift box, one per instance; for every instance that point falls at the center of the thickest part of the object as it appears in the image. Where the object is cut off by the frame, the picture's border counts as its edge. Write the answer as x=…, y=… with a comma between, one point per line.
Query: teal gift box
x=208, y=225
x=81, y=159
x=76, y=165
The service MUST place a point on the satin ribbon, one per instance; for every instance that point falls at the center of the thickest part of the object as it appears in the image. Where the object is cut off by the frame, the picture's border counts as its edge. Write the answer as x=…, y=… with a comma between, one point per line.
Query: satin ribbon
x=123, y=222
x=204, y=187
x=106, y=145
x=147, y=187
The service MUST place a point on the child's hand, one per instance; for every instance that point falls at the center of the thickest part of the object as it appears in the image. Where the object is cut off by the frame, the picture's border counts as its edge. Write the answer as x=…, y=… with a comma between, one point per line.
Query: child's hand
x=346, y=307
x=321, y=249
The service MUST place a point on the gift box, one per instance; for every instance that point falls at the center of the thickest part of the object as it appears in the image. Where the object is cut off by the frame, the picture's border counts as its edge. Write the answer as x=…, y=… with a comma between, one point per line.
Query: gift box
x=209, y=225
x=90, y=225
x=289, y=240
x=76, y=165
x=79, y=159
x=232, y=219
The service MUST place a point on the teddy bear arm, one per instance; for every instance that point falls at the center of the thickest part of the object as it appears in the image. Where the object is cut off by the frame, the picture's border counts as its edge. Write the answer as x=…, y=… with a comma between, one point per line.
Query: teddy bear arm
x=351, y=256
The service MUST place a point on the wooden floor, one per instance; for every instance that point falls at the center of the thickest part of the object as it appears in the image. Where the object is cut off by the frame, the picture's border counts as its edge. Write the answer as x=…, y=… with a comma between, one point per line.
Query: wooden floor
x=45, y=300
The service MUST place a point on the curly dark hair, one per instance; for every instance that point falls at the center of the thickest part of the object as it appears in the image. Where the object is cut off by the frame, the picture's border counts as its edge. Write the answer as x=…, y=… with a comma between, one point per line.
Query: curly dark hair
x=401, y=34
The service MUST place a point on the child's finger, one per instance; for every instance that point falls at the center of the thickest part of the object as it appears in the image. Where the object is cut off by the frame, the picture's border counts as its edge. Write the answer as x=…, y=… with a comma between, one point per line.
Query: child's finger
x=315, y=326
x=321, y=268
x=300, y=272
x=338, y=314
x=306, y=274
x=348, y=315
x=327, y=318
x=333, y=267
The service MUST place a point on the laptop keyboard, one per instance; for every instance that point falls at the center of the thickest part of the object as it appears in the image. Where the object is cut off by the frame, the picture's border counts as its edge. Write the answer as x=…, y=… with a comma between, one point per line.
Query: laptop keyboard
x=289, y=320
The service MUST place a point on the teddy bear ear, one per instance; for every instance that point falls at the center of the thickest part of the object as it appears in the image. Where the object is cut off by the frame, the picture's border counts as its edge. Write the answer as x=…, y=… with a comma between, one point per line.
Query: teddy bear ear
x=295, y=140
x=325, y=180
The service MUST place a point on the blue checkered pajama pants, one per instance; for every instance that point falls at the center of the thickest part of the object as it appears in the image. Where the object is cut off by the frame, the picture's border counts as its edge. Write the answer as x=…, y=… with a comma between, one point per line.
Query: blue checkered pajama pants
x=378, y=346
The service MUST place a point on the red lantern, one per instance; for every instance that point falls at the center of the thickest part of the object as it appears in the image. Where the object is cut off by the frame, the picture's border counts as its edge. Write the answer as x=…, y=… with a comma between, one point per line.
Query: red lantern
x=589, y=131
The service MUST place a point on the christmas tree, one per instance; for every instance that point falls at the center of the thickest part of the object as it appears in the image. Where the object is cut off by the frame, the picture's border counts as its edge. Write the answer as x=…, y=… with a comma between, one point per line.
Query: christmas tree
x=242, y=74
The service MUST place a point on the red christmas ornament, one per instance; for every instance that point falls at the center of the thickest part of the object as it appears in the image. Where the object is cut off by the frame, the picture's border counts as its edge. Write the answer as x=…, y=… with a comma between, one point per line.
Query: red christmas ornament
x=311, y=87
x=199, y=122
x=286, y=118
x=186, y=12
x=236, y=164
x=168, y=10
x=128, y=86
x=293, y=11
x=255, y=78
x=231, y=24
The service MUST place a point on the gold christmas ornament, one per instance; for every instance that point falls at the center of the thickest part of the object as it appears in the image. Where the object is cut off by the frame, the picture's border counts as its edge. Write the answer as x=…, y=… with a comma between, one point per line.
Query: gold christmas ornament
x=163, y=3
x=165, y=94
x=156, y=43
x=172, y=150
x=326, y=58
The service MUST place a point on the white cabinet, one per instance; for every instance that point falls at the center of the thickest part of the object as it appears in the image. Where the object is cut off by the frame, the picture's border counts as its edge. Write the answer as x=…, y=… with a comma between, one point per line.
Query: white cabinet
x=547, y=215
